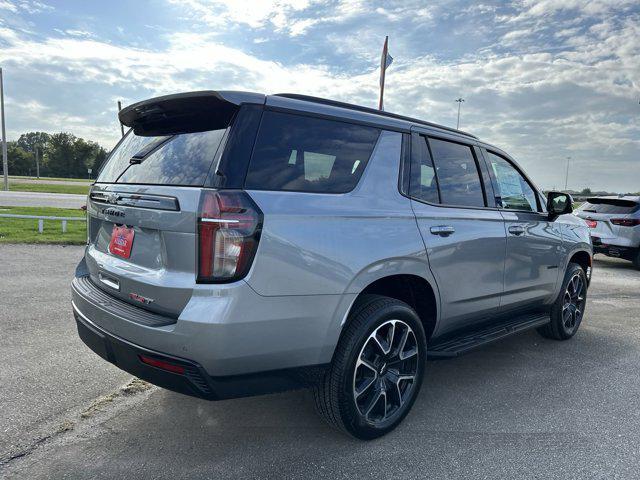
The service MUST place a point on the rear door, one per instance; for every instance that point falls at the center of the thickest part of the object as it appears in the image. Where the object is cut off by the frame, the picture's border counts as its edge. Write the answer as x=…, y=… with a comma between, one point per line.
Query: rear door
x=465, y=240
x=534, y=243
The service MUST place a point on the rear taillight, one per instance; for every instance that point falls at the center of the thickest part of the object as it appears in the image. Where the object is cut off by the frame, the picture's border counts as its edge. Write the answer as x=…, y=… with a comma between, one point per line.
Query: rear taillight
x=626, y=222
x=591, y=223
x=229, y=226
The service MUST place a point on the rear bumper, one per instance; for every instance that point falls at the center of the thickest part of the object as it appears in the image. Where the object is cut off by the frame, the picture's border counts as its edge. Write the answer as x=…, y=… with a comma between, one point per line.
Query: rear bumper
x=193, y=379
x=227, y=329
x=612, y=248
x=629, y=241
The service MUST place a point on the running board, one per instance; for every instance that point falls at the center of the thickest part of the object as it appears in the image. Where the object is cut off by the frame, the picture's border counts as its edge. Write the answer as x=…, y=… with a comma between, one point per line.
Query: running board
x=469, y=341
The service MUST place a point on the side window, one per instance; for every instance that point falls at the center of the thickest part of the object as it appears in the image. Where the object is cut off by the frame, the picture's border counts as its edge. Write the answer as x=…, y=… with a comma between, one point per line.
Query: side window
x=513, y=191
x=457, y=174
x=424, y=184
x=300, y=153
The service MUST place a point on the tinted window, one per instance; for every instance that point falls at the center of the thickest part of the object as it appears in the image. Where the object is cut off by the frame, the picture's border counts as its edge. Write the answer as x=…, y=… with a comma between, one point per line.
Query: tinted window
x=424, y=185
x=610, y=205
x=512, y=190
x=166, y=160
x=307, y=154
x=457, y=174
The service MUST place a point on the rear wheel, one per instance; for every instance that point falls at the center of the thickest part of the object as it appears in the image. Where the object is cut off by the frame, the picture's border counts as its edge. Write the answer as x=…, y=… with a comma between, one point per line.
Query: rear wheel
x=636, y=259
x=568, y=310
x=377, y=369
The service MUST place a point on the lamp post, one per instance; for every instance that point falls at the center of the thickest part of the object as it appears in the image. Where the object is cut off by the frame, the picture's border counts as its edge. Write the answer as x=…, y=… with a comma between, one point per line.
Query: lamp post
x=459, y=101
x=566, y=178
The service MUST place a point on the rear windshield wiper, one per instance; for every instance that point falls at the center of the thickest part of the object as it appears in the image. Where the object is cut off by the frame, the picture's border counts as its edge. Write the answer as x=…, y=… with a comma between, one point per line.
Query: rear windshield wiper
x=148, y=149
x=144, y=152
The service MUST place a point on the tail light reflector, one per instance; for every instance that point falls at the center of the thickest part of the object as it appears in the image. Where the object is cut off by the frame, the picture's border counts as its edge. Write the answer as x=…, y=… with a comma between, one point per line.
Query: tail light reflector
x=229, y=226
x=626, y=222
x=162, y=364
x=591, y=223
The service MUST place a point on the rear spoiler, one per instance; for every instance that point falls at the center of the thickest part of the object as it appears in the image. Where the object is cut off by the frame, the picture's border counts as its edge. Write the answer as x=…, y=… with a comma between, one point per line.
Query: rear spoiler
x=620, y=202
x=185, y=112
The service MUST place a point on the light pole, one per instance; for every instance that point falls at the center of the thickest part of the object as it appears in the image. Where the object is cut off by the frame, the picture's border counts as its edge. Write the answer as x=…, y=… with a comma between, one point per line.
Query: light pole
x=459, y=101
x=566, y=178
x=5, y=166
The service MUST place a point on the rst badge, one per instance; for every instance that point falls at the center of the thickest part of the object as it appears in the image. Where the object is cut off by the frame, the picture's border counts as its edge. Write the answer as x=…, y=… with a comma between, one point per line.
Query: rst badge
x=140, y=299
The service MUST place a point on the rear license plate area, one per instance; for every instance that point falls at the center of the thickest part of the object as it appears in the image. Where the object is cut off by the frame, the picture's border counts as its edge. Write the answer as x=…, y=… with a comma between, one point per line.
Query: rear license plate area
x=121, y=241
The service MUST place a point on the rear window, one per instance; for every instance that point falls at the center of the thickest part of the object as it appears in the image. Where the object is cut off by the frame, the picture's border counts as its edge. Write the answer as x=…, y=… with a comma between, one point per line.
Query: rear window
x=183, y=159
x=298, y=153
x=610, y=205
x=457, y=174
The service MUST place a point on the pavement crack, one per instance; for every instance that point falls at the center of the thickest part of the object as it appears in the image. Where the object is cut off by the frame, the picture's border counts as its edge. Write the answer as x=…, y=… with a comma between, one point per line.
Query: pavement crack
x=99, y=410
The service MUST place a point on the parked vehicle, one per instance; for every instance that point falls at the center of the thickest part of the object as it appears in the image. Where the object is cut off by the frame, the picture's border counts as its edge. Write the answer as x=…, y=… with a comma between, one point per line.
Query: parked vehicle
x=241, y=244
x=615, y=226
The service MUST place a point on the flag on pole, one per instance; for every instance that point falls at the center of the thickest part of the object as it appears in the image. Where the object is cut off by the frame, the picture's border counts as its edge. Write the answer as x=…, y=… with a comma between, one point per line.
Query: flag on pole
x=385, y=61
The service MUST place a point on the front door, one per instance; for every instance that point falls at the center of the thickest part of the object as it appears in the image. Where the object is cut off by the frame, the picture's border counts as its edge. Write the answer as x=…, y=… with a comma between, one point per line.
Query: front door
x=534, y=243
x=464, y=240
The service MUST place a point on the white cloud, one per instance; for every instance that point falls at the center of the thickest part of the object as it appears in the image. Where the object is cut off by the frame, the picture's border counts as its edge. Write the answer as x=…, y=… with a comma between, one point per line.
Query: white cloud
x=6, y=5
x=578, y=98
x=28, y=6
x=254, y=13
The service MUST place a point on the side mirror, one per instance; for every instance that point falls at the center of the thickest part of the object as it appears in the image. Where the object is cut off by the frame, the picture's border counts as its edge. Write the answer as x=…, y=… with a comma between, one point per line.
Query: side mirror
x=559, y=203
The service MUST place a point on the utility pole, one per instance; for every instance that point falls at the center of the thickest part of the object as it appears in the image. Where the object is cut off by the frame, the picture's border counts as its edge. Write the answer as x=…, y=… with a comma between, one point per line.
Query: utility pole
x=566, y=178
x=37, y=162
x=5, y=164
x=121, y=126
x=459, y=101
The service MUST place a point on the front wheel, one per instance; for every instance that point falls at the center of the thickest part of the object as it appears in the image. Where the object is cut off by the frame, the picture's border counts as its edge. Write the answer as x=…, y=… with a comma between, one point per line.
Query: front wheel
x=636, y=259
x=568, y=310
x=377, y=369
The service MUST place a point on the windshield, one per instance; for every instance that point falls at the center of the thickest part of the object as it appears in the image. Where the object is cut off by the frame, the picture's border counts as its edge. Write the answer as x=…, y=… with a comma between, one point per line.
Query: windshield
x=162, y=160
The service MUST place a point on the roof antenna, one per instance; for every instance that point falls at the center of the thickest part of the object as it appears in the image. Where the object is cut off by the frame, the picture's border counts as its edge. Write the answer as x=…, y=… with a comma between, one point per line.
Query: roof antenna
x=121, y=126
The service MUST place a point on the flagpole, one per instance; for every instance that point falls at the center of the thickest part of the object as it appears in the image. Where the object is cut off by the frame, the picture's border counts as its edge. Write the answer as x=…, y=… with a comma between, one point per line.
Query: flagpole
x=5, y=166
x=383, y=69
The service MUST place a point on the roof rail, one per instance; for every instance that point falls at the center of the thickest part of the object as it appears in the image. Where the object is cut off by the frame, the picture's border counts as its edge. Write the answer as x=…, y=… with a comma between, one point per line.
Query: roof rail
x=351, y=106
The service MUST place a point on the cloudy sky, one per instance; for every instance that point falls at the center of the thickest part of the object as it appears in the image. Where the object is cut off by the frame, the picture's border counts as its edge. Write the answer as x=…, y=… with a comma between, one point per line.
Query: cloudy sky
x=545, y=79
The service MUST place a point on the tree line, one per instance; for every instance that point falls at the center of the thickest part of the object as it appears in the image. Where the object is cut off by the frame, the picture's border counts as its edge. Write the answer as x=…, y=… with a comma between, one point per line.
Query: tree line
x=61, y=155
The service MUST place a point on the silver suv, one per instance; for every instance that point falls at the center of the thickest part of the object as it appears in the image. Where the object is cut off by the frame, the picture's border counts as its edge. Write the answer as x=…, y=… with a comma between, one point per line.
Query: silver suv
x=615, y=226
x=240, y=244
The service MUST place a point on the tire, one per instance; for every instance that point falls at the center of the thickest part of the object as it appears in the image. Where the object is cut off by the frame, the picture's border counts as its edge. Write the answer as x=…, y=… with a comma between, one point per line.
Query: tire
x=636, y=259
x=372, y=382
x=568, y=310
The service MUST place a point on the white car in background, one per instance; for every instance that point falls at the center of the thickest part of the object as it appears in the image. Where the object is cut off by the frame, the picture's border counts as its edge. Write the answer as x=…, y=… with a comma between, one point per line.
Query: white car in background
x=615, y=226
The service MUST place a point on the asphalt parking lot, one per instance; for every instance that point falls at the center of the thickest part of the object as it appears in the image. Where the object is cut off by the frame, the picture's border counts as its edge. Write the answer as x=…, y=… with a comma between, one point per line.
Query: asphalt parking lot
x=523, y=408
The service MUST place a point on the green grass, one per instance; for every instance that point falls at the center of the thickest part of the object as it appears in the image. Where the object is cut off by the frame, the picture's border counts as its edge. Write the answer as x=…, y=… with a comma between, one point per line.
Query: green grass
x=55, y=179
x=49, y=188
x=18, y=230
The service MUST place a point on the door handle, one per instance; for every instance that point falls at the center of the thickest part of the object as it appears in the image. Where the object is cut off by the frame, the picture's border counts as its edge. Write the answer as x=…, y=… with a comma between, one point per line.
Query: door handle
x=516, y=230
x=442, y=230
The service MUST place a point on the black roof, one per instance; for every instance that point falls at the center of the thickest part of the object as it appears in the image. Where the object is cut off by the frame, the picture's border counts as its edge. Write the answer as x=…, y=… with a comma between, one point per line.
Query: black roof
x=351, y=106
